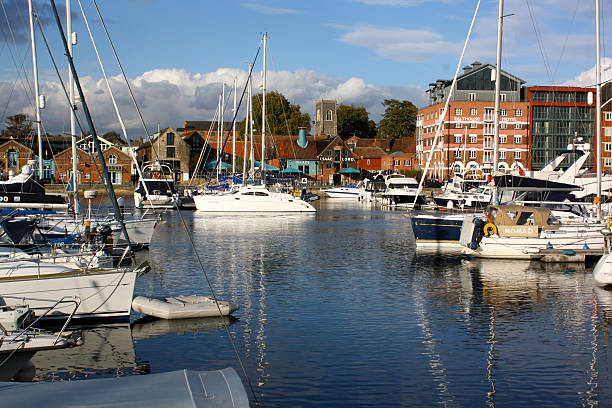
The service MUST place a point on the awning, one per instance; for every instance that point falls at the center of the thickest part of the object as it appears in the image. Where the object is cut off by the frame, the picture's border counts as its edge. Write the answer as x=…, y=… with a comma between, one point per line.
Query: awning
x=212, y=164
x=349, y=170
x=290, y=170
x=267, y=167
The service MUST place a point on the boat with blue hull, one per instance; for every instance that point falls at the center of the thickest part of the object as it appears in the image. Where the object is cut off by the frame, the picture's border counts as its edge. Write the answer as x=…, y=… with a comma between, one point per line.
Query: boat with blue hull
x=438, y=232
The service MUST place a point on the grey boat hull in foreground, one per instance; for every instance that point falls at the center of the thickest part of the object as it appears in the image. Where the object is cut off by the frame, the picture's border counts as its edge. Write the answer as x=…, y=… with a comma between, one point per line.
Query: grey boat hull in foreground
x=183, y=388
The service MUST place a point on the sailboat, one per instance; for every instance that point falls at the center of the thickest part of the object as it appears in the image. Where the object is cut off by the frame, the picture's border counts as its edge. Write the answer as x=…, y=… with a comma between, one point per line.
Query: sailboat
x=99, y=292
x=253, y=198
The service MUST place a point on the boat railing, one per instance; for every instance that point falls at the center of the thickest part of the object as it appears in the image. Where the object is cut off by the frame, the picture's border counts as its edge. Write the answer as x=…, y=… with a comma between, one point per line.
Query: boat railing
x=66, y=299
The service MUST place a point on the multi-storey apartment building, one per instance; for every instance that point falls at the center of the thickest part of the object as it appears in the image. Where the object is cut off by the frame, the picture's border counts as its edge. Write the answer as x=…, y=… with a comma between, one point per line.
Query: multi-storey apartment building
x=559, y=114
x=466, y=137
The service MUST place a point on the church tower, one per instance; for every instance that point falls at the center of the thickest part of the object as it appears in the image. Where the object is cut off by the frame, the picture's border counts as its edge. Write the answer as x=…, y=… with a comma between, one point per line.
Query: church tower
x=326, y=123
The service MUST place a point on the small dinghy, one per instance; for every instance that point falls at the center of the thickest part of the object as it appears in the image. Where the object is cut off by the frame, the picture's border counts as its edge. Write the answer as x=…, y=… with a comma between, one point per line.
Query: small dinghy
x=182, y=307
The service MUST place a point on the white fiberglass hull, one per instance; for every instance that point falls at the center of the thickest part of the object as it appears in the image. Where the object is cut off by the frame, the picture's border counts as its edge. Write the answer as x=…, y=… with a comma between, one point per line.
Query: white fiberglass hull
x=102, y=293
x=251, y=199
x=343, y=192
x=531, y=248
x=602, y=273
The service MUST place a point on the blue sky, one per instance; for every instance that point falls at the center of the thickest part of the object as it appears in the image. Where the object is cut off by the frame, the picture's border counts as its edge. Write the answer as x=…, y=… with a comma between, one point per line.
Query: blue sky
x=355, y=51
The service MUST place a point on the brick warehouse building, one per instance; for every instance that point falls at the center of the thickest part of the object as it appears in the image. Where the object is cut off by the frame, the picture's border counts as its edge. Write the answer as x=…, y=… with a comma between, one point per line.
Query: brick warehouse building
x=466, y=142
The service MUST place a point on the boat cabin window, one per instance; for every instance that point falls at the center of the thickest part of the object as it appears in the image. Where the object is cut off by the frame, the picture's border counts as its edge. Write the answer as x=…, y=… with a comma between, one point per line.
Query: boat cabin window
x=261, y=194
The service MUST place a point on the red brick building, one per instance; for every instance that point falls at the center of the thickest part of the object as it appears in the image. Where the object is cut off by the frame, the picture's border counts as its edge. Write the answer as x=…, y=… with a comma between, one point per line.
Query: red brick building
x=119, y=166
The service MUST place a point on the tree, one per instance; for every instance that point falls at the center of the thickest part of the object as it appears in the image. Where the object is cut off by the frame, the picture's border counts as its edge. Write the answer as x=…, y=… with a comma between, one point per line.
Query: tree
x=354, y=121
x=18, y=126
x=282, y=118
x=114, y=138
x=399, y=119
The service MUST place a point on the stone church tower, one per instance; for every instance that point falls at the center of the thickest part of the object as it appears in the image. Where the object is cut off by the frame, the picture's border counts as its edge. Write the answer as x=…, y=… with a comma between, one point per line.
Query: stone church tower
x=326, y=123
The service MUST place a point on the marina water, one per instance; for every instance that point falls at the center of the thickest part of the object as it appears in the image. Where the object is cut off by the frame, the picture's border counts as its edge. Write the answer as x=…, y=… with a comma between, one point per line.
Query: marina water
x=337, y=310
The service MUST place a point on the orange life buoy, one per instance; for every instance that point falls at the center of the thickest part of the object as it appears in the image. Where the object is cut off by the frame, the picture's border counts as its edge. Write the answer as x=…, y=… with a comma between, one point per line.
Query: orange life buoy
x=156, y=174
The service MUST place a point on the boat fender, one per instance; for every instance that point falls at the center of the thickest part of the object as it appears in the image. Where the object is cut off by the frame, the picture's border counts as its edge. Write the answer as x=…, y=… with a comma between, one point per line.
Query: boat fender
x=489, y=229
x=473, y=245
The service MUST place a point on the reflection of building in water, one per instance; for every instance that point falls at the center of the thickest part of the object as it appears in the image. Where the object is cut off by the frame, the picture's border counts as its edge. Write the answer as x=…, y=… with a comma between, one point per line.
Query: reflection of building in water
x=148, y=328
x=105, y=350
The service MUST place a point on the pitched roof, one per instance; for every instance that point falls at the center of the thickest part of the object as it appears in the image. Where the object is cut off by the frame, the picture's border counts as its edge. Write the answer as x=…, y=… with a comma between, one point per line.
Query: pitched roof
x=370, y=152
x=204, y=125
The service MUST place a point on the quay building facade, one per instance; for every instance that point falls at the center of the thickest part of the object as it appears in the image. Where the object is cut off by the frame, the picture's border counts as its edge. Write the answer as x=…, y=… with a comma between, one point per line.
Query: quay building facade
x=535, y=123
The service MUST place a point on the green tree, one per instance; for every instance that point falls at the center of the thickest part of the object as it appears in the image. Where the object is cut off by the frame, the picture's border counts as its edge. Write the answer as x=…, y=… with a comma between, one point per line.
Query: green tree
x=114, y=138
x=282, y=117
x=354, y=121
x=18, y=126
x=399, y=119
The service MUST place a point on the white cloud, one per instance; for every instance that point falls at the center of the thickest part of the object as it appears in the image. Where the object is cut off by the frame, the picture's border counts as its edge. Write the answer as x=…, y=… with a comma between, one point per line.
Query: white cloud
x=171, y=96
x=270, y=10
x=399, y=44
x=587, y=78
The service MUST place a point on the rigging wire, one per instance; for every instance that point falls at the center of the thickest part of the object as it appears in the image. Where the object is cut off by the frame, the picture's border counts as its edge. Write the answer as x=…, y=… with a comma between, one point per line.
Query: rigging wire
x=539, y=40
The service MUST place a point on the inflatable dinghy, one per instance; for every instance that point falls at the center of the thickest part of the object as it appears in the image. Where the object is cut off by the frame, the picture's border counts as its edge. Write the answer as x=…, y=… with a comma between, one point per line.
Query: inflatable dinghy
x=181, y=307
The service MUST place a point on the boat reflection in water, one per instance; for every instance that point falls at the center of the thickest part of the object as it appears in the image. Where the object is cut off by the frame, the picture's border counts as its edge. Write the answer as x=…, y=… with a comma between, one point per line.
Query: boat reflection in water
x=106, y=350
x=109, y=350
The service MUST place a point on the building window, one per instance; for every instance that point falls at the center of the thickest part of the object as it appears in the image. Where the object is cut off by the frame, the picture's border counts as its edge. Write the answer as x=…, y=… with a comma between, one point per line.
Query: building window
x=458, y=125
x=503, y=139
x=473, y=139
x=458, y=111
x=608, y=161
x=329, y=165
x=396, y=162
x=12, y=157
x=517, y=155
x=170, y=152
x=457, y=154
x=472, y=154
x=517, y=126
x=170, y=138
x=502, y=112
x=518, y=112
x=458, y=138
x=87, y=176
x=502, y=154
x=112, y=159
x=502, y=97
x=608, y=131
x=517, y=139
x=368, y=161
x=473, y=125
x=486, y=156
x=406, y=162
x=607, y=147
x=502, y=125
x=473, y=111
x=608, y=115
x=488, y=142
x=329, y=115
x=471, y=96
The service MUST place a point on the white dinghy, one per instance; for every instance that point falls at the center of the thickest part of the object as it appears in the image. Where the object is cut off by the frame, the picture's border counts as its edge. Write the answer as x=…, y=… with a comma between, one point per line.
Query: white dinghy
x=182, y=307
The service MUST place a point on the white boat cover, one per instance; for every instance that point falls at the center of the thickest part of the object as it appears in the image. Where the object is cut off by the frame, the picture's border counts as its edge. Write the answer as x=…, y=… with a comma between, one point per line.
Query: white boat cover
x=183, y=388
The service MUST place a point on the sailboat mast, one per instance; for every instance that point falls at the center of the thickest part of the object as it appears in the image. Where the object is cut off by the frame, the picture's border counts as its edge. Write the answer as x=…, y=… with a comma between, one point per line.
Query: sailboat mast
x=497, y=95
x=73, y=139
x=36, y=90
x=598, y=105
x=234, y=132
x=222, y=127
x=250, y=124
x=263, y=110
x=218, y=135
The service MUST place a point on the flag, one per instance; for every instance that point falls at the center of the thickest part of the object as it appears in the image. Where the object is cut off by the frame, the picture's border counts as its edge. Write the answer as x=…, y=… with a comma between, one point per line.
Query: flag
x=521, y=171
x=70, y=186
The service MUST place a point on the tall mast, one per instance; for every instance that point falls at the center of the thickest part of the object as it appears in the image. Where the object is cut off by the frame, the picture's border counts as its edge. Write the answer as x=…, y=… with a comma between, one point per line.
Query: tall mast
x=497, y=95
x=75, y=157
x=252, y=152
x=222, y=127
x=234, y=132
x=218, y=136
x=36, y=90
x=598, y=105
x=263, y=111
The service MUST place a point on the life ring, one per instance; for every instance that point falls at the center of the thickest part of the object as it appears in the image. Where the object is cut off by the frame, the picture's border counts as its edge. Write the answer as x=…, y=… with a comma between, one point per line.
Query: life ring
x=489, y=229
x=156, y=174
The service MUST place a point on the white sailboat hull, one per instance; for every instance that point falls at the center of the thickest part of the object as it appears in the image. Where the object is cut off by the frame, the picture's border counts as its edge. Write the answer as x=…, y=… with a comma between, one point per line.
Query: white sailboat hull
x=251, y=199
x=103, y=294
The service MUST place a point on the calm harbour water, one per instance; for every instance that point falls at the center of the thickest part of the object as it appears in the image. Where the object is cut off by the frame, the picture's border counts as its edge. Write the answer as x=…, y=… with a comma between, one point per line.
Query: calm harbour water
x=336, y=310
